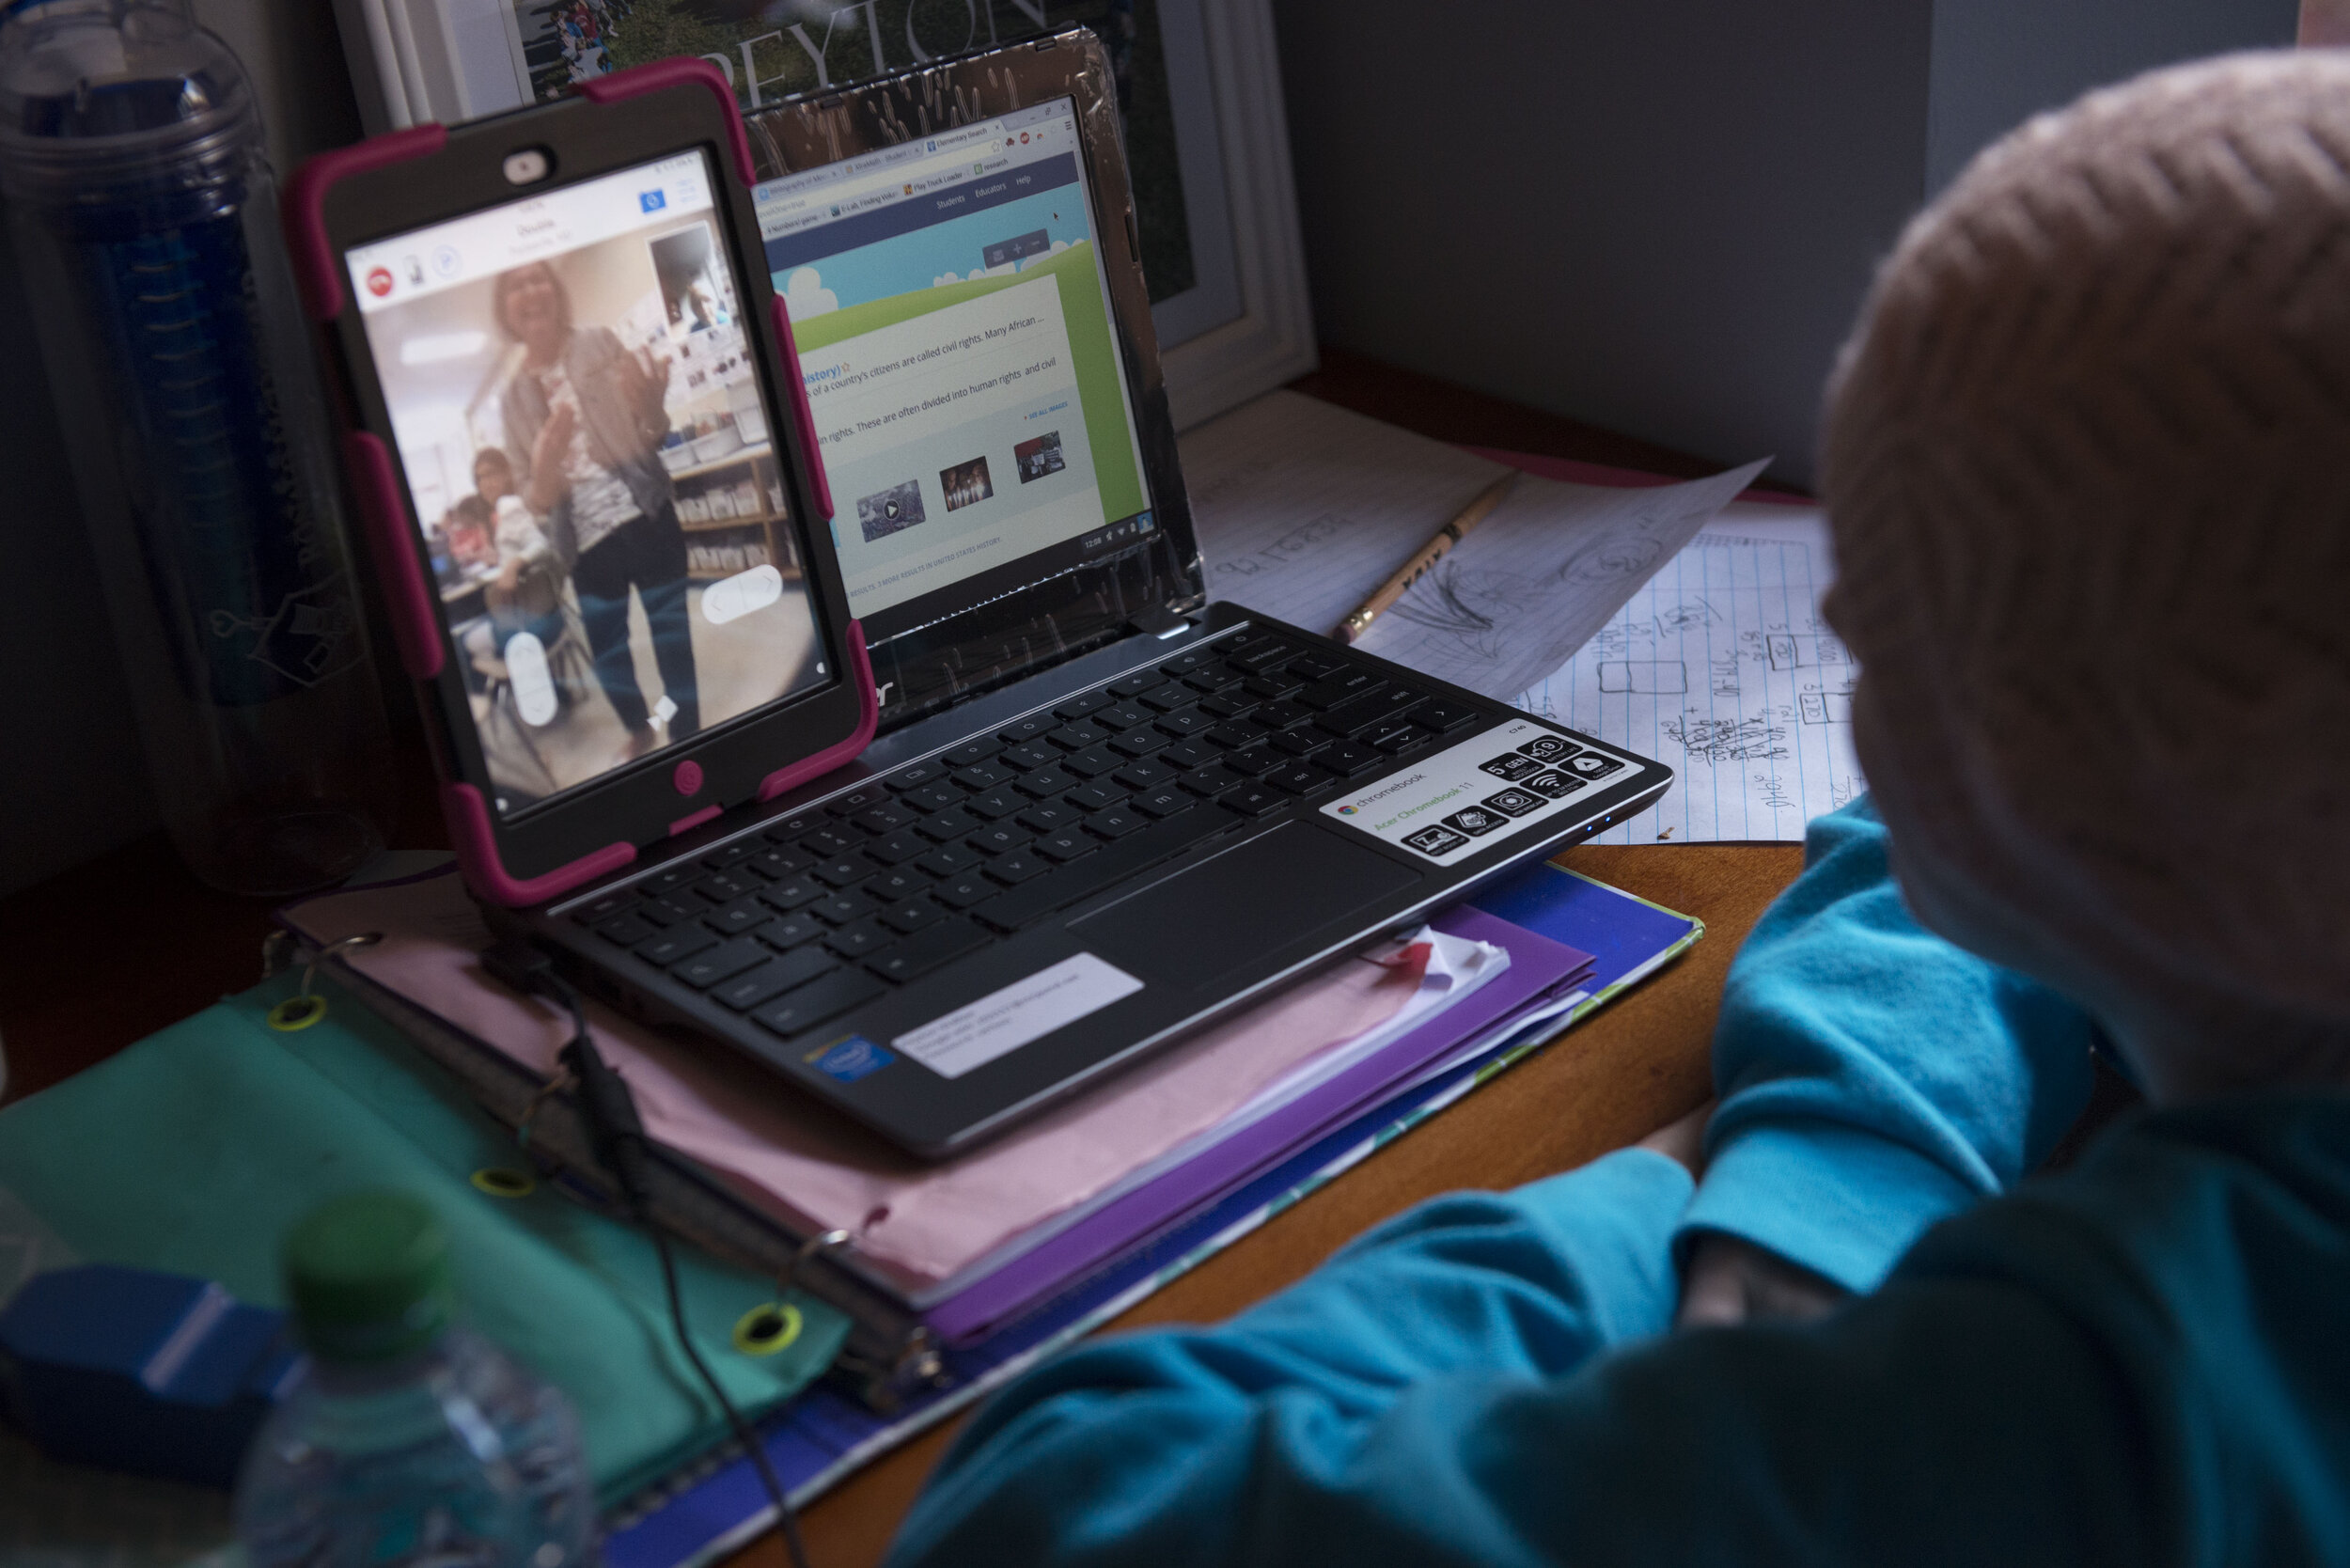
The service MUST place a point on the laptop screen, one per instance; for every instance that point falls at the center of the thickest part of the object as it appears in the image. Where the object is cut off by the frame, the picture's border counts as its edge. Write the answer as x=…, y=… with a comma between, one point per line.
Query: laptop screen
x=970, y=392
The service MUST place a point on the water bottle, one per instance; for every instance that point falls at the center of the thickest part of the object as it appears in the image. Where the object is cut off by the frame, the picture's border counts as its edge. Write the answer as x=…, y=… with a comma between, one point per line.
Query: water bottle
x=141, y=204
x=409, y=1441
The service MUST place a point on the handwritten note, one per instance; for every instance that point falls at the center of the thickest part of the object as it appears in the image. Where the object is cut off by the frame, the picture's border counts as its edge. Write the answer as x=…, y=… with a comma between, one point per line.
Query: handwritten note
x=1721, y=667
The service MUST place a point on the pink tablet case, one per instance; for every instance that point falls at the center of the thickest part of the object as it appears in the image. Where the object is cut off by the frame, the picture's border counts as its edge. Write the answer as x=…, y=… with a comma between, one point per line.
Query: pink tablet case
x=408, y=601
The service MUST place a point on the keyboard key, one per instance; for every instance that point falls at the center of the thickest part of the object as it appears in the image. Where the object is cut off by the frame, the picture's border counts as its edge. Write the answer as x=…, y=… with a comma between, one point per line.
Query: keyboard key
x=1163, y=801
x=896, y=887
x=734, y=919
x=1280, y=715
x=918, y=955
x=1380, y=730
x=1017, y=867
x=1252, y=800
x=627, y=930
x=949, y=860
x=921, y=775
x=1268, y=688
x=669, y=911
x=1262, y=654
x=842, y=872
x=939, y=797
x=1349, y=760
x=705, y=969
x=884, y=819
x=1111, y=866
x=773, y=977
x=788, y=896
x=961, y=892
x=604, y=908
x=805, y=1007
x=1199, y=658
x=1167, y=699
x=985, y=777
x=998, y=838
x=831, y=843
x=1079, y=707
x=1226, y=705
x=841, y=908
x=1049, y=818
x=1349, y=719
x=1045, y=783
x=1298, y=779
x=1138, y=743
x=970, y=752
x=1094, y=762
x=946, y=826
x=1028, y=755
x=1234, y=734
x=1034, y=728
x=1213, y=678
x=1312, y=666
x=993, y=805
x=1062, y=847
x=1135, y=685
x=676, y=944
x=1076, y=737
x=1299, y=743
x=793, y=827
x=898, y=848
x=741, y=848
x=669, y=881
x=1212, y=780
x=1342, y=687
x=792, y=931
x=1126, y=715
x=1188, y=722
x=1443, y=717
x=911, y=915
x=861, y=937
x=1093, y=798
x=776, y=861
x=858, y=800
x=1256, y=760
x=1397, y=741
x=1116, y=823
x=1145, y=775
x=1187, y=754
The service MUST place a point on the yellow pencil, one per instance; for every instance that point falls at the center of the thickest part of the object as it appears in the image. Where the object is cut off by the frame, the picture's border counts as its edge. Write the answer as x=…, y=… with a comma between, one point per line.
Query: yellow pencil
x=1354, y=625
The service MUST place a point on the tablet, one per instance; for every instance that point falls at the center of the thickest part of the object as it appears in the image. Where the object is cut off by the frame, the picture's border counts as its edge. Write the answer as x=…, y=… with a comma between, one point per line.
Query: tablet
x=597, y=515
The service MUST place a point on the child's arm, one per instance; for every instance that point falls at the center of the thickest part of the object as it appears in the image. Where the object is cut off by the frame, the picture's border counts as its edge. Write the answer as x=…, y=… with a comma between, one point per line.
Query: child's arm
x=1874, y=1079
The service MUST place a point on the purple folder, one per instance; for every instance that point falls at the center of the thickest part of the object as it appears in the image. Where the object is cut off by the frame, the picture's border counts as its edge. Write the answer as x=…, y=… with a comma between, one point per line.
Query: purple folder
x=1539, y=970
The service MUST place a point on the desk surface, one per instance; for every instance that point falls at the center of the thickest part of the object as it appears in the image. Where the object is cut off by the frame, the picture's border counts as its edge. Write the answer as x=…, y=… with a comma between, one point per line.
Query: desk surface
x=103, y=955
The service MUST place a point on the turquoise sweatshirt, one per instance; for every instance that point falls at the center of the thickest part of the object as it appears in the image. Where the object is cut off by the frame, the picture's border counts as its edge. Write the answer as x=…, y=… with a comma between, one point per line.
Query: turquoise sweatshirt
x=2129, y=1362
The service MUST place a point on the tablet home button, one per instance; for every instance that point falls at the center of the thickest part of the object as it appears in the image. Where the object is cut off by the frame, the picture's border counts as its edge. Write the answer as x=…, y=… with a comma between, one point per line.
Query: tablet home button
x=688, y=779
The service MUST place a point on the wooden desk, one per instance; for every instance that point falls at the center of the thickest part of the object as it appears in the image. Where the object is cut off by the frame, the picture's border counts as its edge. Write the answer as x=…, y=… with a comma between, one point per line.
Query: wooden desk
x=103, y=955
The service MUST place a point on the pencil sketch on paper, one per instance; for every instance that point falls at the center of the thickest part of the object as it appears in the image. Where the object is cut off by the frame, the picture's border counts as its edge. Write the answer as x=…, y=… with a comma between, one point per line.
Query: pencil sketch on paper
x=1721, y=667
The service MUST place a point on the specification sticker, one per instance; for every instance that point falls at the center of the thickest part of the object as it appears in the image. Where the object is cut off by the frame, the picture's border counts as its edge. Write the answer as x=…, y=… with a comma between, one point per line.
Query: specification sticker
x=1003, y=1021
x=1509, y=778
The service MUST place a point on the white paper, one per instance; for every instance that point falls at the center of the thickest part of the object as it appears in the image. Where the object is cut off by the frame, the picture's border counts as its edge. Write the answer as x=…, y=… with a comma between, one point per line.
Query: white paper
x=1304, y=509
x=1721, y=669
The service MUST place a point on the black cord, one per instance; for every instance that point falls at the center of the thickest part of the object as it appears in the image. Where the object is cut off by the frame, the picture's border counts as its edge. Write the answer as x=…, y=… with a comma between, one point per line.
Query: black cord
x=617, y=1138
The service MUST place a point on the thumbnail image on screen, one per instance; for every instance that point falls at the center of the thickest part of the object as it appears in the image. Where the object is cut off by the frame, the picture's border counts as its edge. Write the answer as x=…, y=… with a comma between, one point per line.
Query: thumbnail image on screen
x=587, y=451
x=956, y=340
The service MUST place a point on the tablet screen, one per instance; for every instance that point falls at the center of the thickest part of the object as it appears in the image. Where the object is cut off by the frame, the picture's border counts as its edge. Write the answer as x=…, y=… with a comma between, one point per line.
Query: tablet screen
x=589, y=453
x=955, y=337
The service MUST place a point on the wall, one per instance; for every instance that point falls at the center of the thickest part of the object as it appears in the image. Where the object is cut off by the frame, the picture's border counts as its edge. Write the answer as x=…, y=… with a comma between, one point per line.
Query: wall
x=1660, y=219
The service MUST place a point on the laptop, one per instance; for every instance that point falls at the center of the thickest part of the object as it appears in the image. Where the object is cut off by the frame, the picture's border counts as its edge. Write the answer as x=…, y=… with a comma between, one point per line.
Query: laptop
x=1101, y=812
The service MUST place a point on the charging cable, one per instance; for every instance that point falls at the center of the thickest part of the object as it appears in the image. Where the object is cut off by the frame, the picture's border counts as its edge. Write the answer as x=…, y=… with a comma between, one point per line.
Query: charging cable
x=616, y=1136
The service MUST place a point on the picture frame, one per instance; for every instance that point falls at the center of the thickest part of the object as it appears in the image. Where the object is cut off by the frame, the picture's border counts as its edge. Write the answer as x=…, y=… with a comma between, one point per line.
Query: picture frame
x=1206, y=128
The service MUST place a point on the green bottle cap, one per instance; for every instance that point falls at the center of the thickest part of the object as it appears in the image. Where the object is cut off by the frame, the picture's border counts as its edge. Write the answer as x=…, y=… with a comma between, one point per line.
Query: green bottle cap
x=368, y=1276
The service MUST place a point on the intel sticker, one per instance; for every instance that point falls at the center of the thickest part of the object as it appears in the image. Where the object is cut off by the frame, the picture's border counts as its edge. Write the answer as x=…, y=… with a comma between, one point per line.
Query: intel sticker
x=850, y=1060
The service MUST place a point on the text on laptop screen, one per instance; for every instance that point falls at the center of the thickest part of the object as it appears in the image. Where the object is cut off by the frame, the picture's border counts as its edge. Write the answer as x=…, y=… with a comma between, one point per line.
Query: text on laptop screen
x=587, y=451
x=953, y=326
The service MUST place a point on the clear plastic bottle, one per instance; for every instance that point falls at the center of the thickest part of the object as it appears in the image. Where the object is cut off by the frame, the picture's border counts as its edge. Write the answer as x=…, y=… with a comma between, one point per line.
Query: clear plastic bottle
x=146, y=220
x=410, y=1440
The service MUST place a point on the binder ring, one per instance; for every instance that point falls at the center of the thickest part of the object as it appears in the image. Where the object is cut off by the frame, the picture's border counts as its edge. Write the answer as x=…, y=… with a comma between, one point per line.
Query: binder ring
x=306, y=1007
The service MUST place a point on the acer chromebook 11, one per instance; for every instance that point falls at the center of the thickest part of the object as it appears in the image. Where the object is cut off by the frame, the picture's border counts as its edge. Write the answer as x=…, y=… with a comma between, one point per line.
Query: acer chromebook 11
x=1099, y=812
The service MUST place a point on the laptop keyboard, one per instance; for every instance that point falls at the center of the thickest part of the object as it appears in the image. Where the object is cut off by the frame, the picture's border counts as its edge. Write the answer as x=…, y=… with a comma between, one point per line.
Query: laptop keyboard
x=829, y=908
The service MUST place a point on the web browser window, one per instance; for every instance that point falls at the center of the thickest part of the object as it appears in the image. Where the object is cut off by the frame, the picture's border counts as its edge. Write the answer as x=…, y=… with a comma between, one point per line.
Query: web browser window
x=954, y=331
x=587, y=450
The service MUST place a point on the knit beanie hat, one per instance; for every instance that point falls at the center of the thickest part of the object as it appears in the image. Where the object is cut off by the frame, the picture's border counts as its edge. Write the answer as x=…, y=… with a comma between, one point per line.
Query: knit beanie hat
x=2087, y=458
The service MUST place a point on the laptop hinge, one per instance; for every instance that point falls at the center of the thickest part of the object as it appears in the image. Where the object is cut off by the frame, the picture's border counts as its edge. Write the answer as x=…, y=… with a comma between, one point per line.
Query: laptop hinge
x=1159, y=621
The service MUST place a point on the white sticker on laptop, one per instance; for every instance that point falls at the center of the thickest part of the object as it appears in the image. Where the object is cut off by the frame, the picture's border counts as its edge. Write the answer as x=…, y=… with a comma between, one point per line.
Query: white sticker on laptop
x=1003, y=1021
x=1510, y=778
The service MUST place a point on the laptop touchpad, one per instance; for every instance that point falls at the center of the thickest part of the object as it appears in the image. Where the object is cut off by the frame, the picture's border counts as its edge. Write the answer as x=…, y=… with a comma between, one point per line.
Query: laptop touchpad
x=1200, y=924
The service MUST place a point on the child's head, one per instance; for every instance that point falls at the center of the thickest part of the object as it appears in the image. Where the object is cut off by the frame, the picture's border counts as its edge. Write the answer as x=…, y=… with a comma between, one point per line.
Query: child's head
x=2088, y=462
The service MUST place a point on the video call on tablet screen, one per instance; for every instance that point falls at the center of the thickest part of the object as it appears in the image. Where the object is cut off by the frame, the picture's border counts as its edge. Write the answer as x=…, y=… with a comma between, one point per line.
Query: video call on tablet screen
x=591, y=460
x=954, y=333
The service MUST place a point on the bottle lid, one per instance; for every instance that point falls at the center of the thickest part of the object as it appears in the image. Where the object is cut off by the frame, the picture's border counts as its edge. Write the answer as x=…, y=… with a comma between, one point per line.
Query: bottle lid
x=370, y=1277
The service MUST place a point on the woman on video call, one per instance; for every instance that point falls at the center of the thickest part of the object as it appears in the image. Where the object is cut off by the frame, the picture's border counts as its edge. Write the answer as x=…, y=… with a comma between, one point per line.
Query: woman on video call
x=585, y=419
